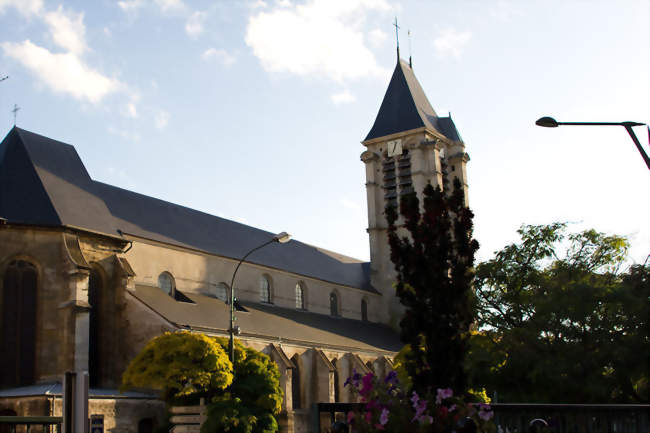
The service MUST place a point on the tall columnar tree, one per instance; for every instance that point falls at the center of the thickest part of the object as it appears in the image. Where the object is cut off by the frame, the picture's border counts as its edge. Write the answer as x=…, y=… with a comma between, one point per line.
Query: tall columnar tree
x=434, y=258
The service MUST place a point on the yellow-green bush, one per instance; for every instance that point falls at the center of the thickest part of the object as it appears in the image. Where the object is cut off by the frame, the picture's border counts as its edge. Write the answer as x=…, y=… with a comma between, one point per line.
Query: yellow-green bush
x=180, y=364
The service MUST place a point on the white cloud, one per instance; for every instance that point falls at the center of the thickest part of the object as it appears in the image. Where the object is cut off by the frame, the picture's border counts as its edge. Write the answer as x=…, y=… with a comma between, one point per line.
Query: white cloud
x=194, y=24
x=130, y=110
x=62, y=72
x=221, y=55
x=25, y=7
x=376, y=37
x=321, y=37
x=258, y=4
x=170, y=5
x=283, y=3
x=451, y=42
x=130, y=5
x=161, y=119
x=67, y=29
x=343, y=97
x=504, y=10
x=127, y=135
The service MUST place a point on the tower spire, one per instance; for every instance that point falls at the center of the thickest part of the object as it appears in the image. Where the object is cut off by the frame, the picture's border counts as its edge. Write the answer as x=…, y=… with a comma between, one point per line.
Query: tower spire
x=397, y=37
x=410, y=59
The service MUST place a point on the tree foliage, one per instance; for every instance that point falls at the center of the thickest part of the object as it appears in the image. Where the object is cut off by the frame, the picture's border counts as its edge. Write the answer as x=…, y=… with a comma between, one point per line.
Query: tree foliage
x=186, y=366
x=433, y=257
x=560, y=322
x=181, y=365
x=250, y=404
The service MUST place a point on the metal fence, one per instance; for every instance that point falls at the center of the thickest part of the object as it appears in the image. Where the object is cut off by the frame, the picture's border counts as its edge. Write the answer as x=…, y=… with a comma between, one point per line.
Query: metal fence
x=573, y=418
x=46, y=423
x=517, y=418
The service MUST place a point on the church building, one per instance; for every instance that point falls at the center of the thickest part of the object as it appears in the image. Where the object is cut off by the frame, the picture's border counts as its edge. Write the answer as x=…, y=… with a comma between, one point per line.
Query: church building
x=90, y=272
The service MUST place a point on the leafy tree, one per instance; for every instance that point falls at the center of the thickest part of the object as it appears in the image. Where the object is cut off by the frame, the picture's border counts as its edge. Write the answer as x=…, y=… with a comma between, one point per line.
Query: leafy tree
x=253, y=399
x=433, y=256
x=180, y=364
x=560, y=322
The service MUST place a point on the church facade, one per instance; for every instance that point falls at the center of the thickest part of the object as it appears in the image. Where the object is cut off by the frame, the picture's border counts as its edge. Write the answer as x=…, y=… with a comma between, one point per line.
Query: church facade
x=90, y=272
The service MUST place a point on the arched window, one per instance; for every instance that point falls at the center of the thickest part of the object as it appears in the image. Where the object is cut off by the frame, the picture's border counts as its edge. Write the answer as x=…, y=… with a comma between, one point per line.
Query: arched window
x=222, y=291
x=18, y=344
x=300, y=297
x=265, y=289
x=166, y=283
x=364, y=310
x=334, y=304
x=95, y=291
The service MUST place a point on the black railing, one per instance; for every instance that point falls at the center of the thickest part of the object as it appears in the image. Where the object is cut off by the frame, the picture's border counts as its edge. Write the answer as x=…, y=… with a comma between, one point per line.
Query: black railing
x=517, y=417
x=573, y=418
x=30, y=421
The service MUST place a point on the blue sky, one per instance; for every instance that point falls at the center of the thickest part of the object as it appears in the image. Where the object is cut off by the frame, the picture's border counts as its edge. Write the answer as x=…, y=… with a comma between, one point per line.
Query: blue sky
x=254, y=110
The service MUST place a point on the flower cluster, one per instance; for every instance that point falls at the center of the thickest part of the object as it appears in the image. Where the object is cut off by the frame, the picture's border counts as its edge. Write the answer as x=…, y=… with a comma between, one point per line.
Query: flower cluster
x=388, y=408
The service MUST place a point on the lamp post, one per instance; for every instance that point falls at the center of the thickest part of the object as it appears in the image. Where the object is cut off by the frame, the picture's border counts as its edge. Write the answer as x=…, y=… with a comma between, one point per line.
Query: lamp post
x=281, y=238
x=549, y=122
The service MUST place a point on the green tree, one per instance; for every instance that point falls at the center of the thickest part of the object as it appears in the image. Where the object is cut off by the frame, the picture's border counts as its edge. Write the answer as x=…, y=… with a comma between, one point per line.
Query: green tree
x=560, y=322
x=180, y=364
x=433, y=255
x=253, y=400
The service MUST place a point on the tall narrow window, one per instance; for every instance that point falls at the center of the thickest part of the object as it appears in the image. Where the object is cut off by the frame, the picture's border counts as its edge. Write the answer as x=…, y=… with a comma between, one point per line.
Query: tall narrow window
x=95, y=289
x=295, y=382
x=17, y=363
x=265, y=289
x=334, y=304
x=364, y=310
x=222, y=291
x=300, y=296
x=166, y=283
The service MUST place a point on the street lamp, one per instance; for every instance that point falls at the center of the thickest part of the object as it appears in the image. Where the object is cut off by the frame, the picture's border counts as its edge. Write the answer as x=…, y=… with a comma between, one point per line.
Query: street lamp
x=549, y=122
x=281, y=238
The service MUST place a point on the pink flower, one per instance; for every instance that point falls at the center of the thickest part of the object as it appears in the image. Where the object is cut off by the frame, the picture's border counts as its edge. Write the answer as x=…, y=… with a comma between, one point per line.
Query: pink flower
x=414, y=399
x=350, y=417
x=452, y=408
x=485, y=416
x=443, y=394
x=383, y=418
x=366, y=386
x=368, y=417
x=379, y=426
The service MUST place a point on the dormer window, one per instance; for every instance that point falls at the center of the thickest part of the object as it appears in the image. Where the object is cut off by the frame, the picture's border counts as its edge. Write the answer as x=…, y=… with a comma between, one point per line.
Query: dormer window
x=222, y=291
x=166, y=283
x=300, y=297
x=334, y=304
x=265, y=289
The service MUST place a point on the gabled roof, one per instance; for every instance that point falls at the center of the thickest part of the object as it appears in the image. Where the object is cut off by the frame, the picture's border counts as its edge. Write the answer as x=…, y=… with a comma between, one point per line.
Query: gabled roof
x=405, y=107
x=44, y=182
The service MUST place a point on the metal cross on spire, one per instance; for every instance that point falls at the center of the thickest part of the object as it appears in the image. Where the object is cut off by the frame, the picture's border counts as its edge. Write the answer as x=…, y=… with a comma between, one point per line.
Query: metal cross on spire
x=15, y=110
x=397, y=36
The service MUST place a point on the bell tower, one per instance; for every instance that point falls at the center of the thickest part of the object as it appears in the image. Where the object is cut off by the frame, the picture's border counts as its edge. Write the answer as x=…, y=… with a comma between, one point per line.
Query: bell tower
x=408, y=146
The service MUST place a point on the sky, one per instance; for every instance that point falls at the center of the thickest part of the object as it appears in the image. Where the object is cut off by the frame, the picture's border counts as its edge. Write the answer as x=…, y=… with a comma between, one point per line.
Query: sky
x=255, y=110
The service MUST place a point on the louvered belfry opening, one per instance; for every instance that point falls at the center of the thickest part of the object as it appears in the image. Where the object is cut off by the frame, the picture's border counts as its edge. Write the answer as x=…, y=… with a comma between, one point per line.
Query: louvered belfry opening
x=397, y=177
x=18, y=345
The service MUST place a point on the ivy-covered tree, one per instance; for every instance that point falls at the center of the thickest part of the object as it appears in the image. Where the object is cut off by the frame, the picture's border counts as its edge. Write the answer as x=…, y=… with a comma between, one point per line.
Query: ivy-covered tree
x=433, y=252
x=559, y=321
x=254, y=399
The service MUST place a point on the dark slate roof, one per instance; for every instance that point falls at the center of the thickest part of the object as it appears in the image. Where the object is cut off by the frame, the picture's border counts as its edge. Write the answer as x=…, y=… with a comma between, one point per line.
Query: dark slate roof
x=44, y=182
x=271, y=322
x=406, y=107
